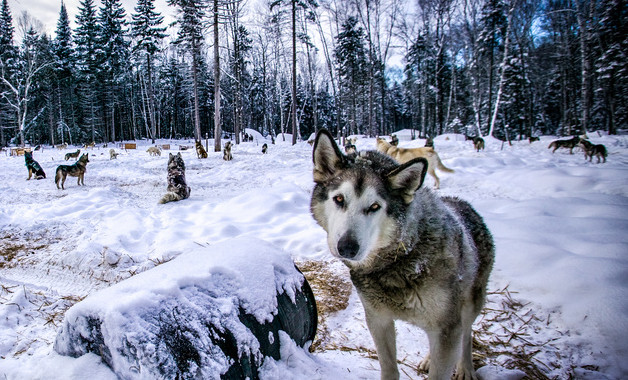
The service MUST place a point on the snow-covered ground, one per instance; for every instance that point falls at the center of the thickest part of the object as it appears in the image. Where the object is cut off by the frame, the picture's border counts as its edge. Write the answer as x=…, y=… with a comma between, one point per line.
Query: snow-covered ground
x=560, y=225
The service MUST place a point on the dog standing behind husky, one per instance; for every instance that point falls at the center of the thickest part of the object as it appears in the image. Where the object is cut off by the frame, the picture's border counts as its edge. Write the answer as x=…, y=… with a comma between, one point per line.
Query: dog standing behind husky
x=33, y=167
x=177, y=187
x=112, y=154
x=567, y=144
x=412, y=255
x=591, y=150
x=154, y=151
x=226, y=152
x=403, y=155
x=200, y=151
x=77, y=169
x=72, y=154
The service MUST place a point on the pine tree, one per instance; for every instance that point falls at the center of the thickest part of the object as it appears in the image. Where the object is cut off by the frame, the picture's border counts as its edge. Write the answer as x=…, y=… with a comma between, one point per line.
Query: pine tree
x=64, y=70
x=350, y=56
x=87, y=48
x=490, y=43
x=612, y=65
x=7, y=65
x=114, y=55
x=147, y=30
x=191, y=20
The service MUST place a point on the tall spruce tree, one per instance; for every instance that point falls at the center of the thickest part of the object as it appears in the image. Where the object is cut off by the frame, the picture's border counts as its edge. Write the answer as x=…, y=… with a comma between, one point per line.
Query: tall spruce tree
x=351, y=57
x=490, y=44
x=148, y=34
x=192, y=23
x=7, y=66
x=114, y=56
x=63, y=70
x=87, y=46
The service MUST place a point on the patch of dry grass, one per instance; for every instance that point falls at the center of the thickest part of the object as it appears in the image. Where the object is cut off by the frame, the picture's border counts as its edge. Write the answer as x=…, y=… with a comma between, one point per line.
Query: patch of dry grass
x=331, y=292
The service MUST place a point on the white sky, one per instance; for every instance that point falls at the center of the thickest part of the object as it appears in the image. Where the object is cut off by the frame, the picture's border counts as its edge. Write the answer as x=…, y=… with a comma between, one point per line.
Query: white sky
x=47, y=11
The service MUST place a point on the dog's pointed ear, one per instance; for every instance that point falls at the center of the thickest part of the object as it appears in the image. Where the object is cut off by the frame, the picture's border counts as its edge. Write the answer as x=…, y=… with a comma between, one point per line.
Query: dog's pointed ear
x=327, y=157
x=408, y=178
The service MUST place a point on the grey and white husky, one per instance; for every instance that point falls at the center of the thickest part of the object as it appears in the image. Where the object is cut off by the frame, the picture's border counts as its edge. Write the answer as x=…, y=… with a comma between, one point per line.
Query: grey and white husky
x=177, y=187
x=412, y=255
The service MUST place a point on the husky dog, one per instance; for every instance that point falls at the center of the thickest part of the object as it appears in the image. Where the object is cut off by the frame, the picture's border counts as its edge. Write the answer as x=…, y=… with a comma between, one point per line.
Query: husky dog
x=72, y=155
x=533, y=139
x=403, y=155
x=200, y=151
x=429, y=142
x=112, y=154
x=90, y=145
x=264, y=148
x=62, y=146
x=177, y=187
x=350, y=149
x=33, y=167
x=77, y=169
x=412, y=255
x=590, y=150
x=567, y=144
x=478, y=143
x=394, y=140
x=226, y=153
x=154, y=151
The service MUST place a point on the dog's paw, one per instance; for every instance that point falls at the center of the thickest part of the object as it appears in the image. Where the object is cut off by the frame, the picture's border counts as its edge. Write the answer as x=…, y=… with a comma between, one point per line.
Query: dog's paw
x=424, y=366
x=465, y=374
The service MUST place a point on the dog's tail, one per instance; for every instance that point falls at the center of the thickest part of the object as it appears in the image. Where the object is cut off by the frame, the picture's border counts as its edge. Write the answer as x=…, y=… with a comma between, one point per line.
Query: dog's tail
x=551, y=145
x=439, y=165
x=58, y=176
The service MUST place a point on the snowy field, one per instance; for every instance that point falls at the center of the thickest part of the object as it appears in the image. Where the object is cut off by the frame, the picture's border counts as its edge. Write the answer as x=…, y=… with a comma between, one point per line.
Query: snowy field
x=559, y=302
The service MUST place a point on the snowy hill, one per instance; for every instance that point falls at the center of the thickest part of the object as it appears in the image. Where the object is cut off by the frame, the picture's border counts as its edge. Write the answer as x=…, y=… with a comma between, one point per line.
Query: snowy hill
x=559, y=301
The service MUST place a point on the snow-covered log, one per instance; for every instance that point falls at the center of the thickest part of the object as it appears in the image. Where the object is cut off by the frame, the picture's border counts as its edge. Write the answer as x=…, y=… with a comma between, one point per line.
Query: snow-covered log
x=212, y=313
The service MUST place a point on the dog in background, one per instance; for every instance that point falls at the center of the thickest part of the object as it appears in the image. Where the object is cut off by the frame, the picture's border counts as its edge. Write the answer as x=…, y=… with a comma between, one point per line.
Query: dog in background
x=403, y=155
x=177, y=187
x=533, y=139
x=200, y=151
x=77, y=169
x=590, y=150
x=154, y=151
x=567, y=144
x=33, y=167
x=226, y=152
x=62, y=146
x=112, y=154
x=72, y=155
x=264, y=148
x=478, y=142
x=412, y=255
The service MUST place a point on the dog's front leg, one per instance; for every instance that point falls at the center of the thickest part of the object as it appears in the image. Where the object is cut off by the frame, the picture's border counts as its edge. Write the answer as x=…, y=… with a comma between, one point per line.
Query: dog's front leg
x=444, y=349
x=382, y=330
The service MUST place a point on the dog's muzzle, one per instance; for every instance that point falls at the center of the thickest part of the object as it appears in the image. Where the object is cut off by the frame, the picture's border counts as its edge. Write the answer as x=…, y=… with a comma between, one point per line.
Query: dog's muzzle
x=348, y=246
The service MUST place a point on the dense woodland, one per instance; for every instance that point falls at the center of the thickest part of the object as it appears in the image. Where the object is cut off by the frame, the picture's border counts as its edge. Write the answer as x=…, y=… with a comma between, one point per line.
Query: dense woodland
x=506, y=68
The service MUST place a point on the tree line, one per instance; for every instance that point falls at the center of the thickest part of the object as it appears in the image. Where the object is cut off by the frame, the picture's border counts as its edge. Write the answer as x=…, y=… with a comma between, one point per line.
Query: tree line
x=506, y=68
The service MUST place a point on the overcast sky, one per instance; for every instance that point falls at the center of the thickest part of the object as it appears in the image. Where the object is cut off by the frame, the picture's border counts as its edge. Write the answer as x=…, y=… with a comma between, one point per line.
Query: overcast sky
x=47, y=11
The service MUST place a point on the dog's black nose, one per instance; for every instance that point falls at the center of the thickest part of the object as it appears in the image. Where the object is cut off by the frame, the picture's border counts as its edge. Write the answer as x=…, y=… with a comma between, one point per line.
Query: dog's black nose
x=348, y=247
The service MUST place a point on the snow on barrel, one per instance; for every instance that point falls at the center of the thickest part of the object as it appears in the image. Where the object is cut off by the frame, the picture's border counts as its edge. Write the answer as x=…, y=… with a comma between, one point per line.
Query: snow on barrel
x=215, y=312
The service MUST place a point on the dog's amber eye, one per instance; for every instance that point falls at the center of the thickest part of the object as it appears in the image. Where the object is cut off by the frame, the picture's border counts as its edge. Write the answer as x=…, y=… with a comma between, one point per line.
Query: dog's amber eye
x=339, y=200
x=374, y=207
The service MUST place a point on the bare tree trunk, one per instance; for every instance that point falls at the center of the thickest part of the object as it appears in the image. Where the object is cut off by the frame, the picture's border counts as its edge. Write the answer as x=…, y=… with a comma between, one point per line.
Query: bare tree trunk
x=294, y=72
